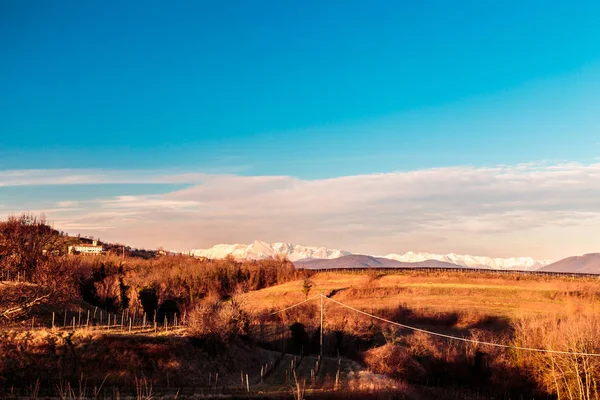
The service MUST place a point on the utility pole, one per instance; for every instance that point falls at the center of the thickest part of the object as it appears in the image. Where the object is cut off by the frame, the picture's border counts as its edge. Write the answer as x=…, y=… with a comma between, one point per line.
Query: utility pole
x=321, y=341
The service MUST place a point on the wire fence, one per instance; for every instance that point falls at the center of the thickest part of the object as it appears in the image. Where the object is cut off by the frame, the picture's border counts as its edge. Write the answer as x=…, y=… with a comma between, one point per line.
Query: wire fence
x=482, y=271
x=100, y=319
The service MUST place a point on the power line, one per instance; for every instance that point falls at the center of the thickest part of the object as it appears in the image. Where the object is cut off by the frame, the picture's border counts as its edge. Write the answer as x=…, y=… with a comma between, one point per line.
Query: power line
x=505, y=346
x=296, y=305
x=462, y=339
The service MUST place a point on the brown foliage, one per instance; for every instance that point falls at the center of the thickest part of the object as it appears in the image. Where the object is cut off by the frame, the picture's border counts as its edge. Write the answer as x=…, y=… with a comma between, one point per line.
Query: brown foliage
x=393, y=360
x=31, y=248
x=54, y=285
x=568, y=376
x=113, y=283
x=26, y=241
x=215, y=318
x=57, y=357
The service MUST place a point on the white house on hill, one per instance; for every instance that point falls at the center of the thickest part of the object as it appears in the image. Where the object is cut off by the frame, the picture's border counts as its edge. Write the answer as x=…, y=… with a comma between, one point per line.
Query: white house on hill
x=87, y=248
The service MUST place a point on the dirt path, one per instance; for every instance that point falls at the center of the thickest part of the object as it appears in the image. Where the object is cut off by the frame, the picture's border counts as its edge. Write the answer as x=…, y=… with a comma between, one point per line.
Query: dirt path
x=333, y=374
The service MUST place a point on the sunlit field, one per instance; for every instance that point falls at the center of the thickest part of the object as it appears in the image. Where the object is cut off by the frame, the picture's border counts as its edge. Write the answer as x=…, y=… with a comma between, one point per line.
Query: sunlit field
x=464, y=292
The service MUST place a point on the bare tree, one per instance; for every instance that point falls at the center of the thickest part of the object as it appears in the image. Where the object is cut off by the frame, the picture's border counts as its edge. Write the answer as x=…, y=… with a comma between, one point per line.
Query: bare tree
x=26, y=241
x=30, y=247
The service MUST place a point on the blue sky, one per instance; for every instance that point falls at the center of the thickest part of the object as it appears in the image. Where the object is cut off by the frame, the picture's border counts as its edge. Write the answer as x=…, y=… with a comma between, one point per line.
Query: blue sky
x=310, y=90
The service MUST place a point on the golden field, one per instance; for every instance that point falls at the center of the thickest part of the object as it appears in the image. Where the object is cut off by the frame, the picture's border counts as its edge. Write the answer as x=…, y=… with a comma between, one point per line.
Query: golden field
x=467, y=292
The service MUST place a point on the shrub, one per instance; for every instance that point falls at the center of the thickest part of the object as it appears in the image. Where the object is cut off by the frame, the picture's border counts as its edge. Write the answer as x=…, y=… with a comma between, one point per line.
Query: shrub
x=392, y=360
x=220, y=319
x=567, y=376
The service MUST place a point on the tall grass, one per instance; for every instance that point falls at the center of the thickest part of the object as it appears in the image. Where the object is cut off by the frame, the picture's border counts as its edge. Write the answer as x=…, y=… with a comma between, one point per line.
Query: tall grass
x=572, y=377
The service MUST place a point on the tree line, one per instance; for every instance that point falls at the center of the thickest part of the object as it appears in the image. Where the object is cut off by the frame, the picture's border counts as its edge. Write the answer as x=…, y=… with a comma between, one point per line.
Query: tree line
x=31, y=248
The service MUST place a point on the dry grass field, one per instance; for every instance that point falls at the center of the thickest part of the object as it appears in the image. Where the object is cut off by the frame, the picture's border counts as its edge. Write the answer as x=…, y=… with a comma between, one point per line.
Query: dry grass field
x=466, y=293
x=524, y=311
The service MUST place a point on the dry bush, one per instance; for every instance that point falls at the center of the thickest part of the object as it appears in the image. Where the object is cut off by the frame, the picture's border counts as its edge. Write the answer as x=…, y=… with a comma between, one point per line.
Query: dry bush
x=53, y=286
x=218, y=319
x=393, y=360
x=107, y=290
x=421, y=345
x=17, y=299
x=307, y=313
x=203, y=318
x=30, y=249
x=25, y=242
x=568, y=376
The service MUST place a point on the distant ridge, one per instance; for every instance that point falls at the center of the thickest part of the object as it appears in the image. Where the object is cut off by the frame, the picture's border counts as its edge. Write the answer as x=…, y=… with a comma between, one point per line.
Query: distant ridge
x=261, y=250
x=585, y=264
x=469, y=261
x=362, y=261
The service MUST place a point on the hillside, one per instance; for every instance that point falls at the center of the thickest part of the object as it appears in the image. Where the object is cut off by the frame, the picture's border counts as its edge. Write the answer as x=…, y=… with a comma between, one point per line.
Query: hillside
x=362, y=261
x=467, y=292
x=585, y=264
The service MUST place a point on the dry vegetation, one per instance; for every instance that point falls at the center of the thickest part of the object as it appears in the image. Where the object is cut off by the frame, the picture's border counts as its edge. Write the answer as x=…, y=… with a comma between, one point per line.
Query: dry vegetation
x=167, y=362
x=569, y=376
x=225, y=309
x=31, y=252
x=528, y=311
x=465, y=293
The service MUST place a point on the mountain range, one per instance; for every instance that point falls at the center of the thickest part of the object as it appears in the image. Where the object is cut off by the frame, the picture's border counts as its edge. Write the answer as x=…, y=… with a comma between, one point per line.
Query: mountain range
x=468, y=261
x=261, y=250
x=302, y=255
x=360, y=261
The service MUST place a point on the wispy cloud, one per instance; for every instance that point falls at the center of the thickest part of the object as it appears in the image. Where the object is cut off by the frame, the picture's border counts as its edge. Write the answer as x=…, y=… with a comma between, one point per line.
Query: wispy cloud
x=546, y=211
x=39, y=177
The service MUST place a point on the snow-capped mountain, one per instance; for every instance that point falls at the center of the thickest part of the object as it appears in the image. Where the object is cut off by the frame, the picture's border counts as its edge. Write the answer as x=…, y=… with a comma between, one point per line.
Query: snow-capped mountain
x=514, y=263
x=261, y=250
